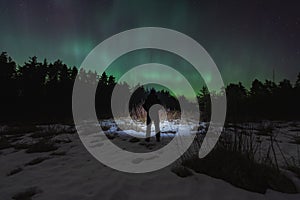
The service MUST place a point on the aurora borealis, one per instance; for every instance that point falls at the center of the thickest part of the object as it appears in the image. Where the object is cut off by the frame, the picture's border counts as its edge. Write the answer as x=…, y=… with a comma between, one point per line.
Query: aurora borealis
x=246, y=39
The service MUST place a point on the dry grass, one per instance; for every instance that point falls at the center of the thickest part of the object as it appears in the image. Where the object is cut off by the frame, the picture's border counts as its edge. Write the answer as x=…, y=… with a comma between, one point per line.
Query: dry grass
x=239, y=170
x=140, y=114
x=237, y=159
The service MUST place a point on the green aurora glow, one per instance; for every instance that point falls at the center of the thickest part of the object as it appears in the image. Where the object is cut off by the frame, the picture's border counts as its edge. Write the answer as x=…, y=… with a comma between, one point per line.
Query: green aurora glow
x=246, y=40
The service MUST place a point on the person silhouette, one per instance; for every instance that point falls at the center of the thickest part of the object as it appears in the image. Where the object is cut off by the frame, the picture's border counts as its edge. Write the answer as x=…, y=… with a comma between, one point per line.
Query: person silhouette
x=152, y=109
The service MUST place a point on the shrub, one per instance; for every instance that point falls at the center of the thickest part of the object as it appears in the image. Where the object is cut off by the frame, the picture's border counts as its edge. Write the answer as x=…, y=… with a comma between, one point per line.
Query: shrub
x=237, y=169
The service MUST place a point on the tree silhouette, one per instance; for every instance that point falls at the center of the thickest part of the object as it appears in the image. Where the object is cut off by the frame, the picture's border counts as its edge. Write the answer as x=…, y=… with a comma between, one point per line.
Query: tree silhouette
x=204, y=103
x=8, y=85
x=43, y=91
x=236, y=100
x=297, y=85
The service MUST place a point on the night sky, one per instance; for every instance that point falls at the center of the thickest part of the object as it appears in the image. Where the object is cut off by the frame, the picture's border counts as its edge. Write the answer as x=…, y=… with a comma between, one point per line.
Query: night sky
x=246, y=39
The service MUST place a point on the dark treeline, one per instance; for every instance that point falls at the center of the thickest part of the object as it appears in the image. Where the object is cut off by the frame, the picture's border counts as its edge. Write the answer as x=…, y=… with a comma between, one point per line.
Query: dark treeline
x=42, y=91
x=35, y=90
x=264, y=100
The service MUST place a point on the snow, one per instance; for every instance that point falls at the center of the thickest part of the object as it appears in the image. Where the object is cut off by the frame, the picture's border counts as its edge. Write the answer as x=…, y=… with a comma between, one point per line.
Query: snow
x=77, y=175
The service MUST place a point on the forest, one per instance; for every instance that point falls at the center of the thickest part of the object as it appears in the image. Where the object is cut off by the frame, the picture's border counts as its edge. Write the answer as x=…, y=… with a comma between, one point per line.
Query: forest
x=42, y=91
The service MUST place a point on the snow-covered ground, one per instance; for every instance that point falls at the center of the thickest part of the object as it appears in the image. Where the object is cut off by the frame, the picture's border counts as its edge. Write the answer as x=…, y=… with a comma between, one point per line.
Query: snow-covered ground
x=70, y=172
